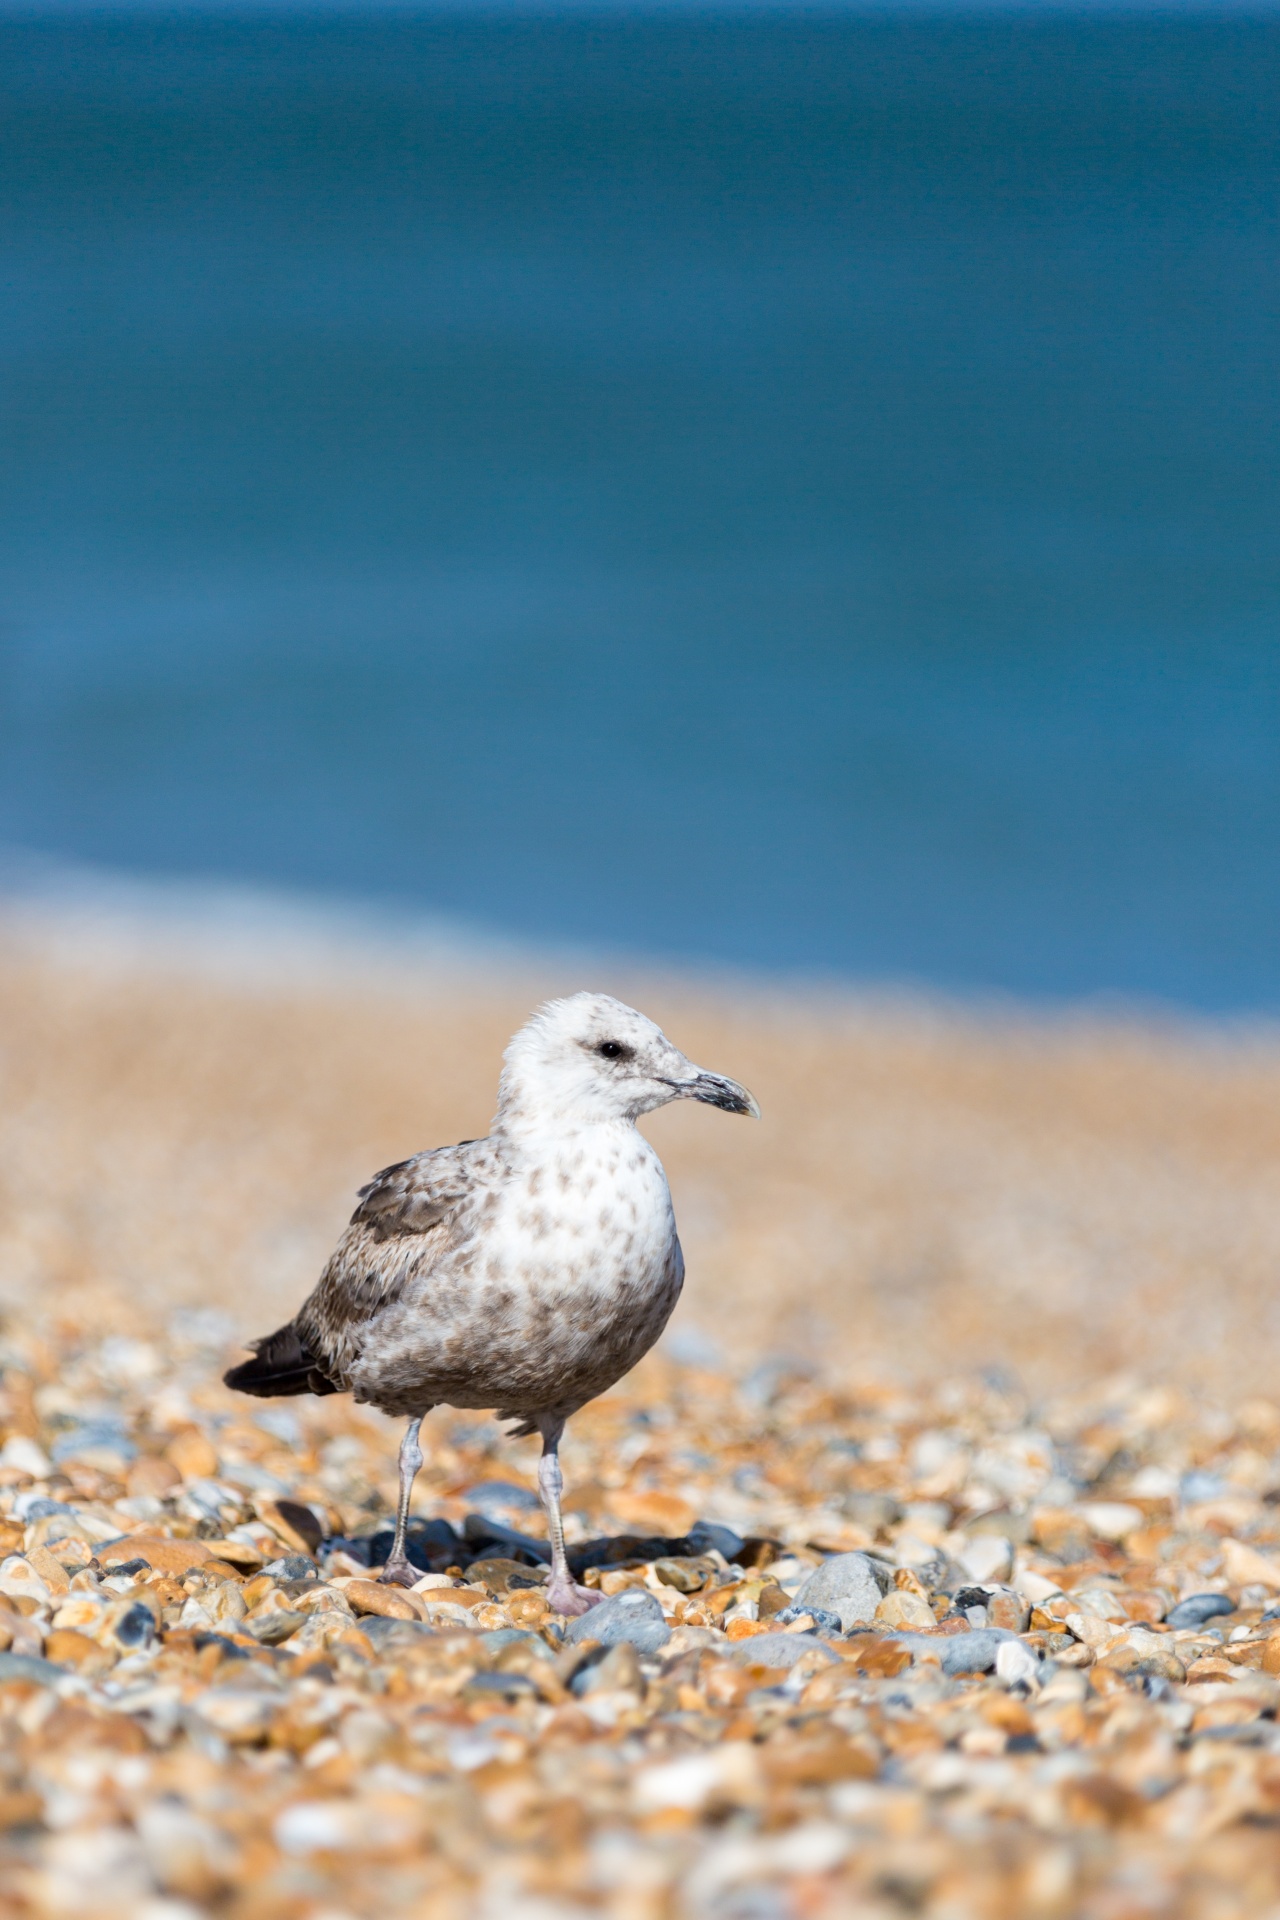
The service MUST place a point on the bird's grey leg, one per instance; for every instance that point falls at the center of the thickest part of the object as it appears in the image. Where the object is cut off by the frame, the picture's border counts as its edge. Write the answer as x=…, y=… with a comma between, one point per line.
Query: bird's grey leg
x=563, y=1594
x=400, y=1570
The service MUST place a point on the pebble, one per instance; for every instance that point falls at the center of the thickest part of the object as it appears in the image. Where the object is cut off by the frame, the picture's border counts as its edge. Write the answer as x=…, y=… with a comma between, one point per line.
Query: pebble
x=1015, y=1663
x=635, y=1617
x=26, y=1666
x=987, y=1556
x=904, y=1609
x=975, y=1652
x=780, y=1649
x=848, y=1584
x=705, y=1536
x=1198, y=1608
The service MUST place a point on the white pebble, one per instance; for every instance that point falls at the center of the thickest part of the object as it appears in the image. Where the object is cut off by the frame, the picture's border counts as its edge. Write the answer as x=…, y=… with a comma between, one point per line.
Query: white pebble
x=1016, y=1664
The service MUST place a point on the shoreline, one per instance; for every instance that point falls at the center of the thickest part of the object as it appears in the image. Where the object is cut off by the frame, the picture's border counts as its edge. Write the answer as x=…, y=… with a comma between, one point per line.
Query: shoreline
x=259, y=934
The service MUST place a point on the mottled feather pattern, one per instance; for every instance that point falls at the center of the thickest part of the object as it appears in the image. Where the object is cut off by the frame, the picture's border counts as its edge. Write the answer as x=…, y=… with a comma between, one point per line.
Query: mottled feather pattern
x=537, y=1281
x=415, y=1194
x=406, y=1225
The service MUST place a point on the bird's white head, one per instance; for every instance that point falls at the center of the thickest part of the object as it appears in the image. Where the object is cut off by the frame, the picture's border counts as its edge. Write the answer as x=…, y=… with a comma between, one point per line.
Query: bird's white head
x=590, y=1059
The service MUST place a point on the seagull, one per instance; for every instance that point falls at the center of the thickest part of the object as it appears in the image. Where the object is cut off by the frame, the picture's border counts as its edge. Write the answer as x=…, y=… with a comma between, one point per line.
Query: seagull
x=523, y=1273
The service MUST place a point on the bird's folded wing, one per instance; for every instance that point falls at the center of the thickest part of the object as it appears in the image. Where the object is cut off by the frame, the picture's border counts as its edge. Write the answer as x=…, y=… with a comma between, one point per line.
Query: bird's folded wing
x=415, y=1194
x=396, y=1234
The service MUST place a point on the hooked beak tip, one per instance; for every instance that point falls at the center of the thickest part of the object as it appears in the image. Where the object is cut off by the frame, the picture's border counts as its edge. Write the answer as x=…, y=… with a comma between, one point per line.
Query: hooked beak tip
x=716, y=1091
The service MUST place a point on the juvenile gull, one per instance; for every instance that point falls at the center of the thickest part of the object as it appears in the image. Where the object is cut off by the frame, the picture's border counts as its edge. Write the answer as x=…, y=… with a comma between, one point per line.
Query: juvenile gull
x=525, y=1272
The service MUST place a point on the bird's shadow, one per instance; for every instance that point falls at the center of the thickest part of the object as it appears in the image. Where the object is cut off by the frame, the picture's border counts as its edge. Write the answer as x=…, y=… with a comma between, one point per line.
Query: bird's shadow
x=435, y=1545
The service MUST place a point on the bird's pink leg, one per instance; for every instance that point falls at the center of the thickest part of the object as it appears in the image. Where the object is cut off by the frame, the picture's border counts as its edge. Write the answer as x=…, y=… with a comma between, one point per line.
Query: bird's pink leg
x=400, y=1570
x=562, y=1592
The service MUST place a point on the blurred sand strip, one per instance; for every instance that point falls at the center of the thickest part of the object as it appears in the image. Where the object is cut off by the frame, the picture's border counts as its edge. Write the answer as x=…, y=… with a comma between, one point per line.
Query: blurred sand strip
x=187, y=1106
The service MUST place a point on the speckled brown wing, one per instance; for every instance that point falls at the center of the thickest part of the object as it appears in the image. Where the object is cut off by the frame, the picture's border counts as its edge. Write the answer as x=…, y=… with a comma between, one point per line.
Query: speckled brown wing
x=414, y=1194
x=397, y=1234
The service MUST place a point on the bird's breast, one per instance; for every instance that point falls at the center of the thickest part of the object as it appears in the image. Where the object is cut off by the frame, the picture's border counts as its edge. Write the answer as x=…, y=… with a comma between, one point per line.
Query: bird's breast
x=555, y=1281
x=588, y=1215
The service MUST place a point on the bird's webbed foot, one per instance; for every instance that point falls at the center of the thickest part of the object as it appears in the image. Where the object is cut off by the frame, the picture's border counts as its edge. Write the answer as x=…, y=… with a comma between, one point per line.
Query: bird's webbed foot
x=400, y=1573
x=566, y=1596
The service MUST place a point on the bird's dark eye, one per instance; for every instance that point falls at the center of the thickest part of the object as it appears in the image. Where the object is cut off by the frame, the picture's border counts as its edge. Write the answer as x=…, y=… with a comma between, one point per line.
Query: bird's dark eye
x=614, y=1050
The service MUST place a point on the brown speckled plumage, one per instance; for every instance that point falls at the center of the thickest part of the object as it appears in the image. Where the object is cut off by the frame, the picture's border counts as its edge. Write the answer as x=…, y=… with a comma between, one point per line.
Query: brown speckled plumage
x=524, y=1272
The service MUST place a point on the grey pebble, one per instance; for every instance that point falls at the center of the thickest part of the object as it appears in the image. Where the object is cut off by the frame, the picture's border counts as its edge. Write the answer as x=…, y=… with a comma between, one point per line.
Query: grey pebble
x=507, y=1685
x=973, y=1652
x=633, y=1615
x=394, y=1633
x=823, y=1620
x=28, y=1509
x=602, y=1672
x=777, y=1649
x=1199, y=1607
x=28, y=1666
x=92, y=1433
x=502, y=1637
x=293, y=1566
x=708, y=1535
x=849, y=1585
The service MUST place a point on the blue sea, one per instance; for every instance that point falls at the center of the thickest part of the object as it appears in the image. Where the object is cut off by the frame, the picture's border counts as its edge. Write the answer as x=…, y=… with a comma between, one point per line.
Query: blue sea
x=792, y=488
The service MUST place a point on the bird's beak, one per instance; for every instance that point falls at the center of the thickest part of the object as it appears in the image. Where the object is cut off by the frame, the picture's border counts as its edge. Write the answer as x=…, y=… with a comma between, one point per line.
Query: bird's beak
x=718, y=1092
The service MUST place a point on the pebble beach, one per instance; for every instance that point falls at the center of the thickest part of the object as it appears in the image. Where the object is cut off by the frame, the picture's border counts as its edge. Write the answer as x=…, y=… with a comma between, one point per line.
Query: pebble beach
x=939, y=1540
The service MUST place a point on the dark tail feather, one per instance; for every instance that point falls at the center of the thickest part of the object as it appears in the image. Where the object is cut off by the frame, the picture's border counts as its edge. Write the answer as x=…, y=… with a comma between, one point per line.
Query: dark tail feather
x=281, y=1365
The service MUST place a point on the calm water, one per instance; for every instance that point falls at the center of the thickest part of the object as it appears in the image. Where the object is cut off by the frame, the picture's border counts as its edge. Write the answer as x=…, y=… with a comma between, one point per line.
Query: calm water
x=797, y=490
